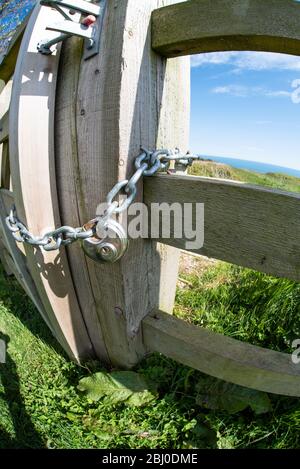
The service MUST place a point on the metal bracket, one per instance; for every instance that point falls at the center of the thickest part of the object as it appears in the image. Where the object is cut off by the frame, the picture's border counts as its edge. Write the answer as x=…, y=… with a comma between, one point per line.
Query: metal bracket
x=69, y=27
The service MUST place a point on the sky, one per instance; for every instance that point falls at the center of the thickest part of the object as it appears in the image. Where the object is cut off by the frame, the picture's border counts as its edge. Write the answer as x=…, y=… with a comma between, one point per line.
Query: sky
x=246, y=105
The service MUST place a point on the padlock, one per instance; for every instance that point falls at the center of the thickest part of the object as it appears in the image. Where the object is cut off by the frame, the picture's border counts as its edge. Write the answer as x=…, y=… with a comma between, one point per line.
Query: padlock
x=109, y=248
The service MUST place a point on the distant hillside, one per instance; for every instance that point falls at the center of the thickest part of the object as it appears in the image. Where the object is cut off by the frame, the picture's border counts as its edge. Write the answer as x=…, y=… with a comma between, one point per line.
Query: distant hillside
x=219, y=170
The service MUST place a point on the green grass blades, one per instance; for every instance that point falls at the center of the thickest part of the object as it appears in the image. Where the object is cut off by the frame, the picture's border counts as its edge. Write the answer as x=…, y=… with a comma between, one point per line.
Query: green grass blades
x=42, y=407
x=247, y=305
x=223, y=171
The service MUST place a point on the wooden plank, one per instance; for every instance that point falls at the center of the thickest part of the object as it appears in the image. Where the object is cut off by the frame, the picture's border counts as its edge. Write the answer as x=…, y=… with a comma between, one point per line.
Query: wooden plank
x=11, y=268
x=220, y=356
x=127, y=97
x=4, y=127
x=67, y=183
x=3, y=253
x=9, y=58
x=8, y=199
x=247, y=225
x=222, y=25
x=5, y=167
x=21, y=272
x=31, y=123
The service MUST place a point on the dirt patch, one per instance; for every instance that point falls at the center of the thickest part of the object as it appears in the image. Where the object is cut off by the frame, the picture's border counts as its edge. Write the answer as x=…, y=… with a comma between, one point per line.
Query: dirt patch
x=193, y=264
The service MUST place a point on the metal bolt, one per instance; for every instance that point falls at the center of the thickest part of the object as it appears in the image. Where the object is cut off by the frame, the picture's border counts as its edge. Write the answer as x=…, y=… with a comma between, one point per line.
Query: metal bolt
x=105, y=251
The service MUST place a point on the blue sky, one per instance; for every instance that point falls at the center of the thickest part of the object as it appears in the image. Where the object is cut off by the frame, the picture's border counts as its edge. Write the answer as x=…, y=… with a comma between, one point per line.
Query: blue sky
x=244, y=106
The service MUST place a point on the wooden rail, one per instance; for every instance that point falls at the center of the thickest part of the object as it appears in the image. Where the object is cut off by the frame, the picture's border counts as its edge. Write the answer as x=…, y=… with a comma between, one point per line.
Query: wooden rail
x=247, y=225
x=220, y=356
x=199, y=26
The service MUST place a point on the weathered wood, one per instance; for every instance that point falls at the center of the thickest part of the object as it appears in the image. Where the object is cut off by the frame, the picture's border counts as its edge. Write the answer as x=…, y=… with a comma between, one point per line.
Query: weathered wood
x=11, y=268
x=127, y=97
x=222, y=25
x=4, y=124
x=5, y=167
x=9, y=58
x=5, y=94
x=4, y=127
x=17, y=254
x=220, y=356
x=31, y=122
x=247, y=225
x=8, y=201
x=69, y=185
x=7, y=198
x=3, y=253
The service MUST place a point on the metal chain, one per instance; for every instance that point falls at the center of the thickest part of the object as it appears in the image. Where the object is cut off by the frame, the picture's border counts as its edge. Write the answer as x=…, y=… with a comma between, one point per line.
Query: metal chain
x=146, y=164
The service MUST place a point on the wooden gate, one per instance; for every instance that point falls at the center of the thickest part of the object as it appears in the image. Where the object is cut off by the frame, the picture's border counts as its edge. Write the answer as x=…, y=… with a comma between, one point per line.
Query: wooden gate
x=74, y=128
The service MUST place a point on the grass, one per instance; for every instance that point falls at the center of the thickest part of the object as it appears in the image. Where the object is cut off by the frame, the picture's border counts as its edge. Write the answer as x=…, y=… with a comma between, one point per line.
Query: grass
x=41, y=407
x=273, y=180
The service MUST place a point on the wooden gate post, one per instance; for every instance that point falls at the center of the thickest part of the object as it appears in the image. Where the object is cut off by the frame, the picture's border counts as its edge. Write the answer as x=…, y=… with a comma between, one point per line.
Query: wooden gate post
x=125, y=97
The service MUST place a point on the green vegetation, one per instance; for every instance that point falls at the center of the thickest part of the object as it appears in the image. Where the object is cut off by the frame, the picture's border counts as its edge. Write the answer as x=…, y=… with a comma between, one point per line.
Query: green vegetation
x=42, y=406
x=217, y=170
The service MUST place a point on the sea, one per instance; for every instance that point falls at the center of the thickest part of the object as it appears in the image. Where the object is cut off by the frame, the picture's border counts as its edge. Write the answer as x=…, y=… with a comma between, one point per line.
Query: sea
x=254, y=165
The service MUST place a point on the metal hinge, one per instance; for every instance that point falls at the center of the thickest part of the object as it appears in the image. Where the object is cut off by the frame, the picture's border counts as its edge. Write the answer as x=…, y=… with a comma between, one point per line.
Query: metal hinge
x=89, y=28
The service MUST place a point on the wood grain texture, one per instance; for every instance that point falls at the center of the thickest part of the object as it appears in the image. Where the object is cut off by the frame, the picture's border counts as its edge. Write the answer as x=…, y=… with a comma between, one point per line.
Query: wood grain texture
x=247, y=225
x=221, y=25
x=126, y=98
x=34, y=181
x=220, y=356
x=17, y=255
x=69, y=184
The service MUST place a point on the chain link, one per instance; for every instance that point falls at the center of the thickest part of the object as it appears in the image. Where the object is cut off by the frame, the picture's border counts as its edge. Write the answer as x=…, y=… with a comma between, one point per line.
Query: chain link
x=146, y=164
x=51, y=240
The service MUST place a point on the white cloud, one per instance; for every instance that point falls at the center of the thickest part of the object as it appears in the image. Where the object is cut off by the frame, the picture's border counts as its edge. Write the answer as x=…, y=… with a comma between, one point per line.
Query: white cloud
x=214, y=58
x=235, y=90
x=279, y=94
x=245, y=91
x=248, y=60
